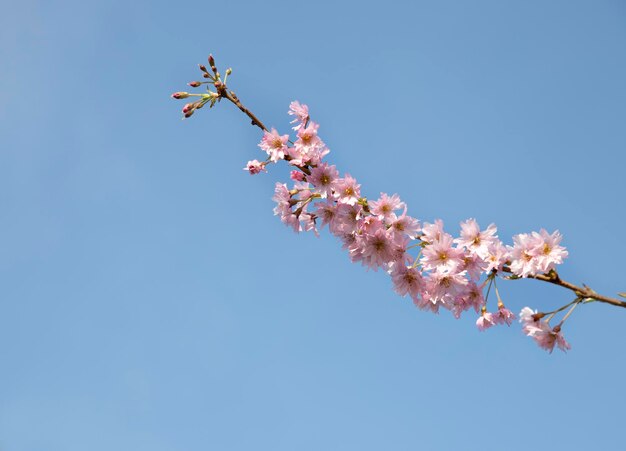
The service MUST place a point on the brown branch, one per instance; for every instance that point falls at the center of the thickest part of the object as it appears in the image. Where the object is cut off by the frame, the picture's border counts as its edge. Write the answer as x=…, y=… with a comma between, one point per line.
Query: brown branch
x=582, y=292
x=230, y=95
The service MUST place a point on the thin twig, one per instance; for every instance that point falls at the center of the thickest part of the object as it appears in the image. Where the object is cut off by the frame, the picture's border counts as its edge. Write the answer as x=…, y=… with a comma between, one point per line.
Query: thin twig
x=583, y=292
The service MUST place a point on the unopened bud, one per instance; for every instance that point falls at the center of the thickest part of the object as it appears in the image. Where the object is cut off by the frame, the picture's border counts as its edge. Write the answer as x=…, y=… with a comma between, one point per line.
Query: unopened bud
x=194, y=84
x=188, y=107
x=180, y=95
x=296, y=175
x=188, y=114
x=229, y=71
x=202, y=67
x=211, y=60
x=206, y=75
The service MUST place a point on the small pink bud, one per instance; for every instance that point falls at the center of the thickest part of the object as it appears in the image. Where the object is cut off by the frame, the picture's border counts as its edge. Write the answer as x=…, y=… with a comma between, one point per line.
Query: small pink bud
x=255, y=167
x=194, y=84
x=211, y=60
x=180, y=95
x=189, y=113
x=297, y=176
x=188, y=107
x=202, y=67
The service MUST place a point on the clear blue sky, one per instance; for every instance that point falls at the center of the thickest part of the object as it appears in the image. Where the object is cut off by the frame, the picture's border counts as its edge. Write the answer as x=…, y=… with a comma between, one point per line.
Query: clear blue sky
x=150, y=300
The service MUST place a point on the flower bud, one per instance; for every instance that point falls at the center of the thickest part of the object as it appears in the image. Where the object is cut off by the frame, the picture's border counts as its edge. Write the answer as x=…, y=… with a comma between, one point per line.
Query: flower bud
x=296, y=175
x=180, y=95
x=188, y=107
x=229, y=71
x=202, y=67
x=255, y=167
x=194, y=84
x=211, y=60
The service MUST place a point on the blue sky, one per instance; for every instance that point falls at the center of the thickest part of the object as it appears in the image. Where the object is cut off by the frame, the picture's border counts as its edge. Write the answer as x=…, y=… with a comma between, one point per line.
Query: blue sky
x=150, y=299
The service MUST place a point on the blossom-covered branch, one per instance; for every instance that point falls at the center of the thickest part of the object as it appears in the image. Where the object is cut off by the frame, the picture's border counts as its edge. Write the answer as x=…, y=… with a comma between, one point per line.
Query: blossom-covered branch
x=438, y=271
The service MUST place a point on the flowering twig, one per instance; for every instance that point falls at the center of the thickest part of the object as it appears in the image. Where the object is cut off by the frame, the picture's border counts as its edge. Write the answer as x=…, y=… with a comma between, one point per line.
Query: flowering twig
x=583, y=292
x=447, y=271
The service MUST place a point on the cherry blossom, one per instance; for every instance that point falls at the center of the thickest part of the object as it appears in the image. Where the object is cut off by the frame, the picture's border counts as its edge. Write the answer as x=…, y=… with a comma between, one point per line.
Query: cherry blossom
x=435, y=269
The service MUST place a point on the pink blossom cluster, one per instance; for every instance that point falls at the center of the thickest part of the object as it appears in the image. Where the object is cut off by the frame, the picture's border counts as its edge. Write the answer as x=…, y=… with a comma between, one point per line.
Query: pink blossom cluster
x=541, y=331
x=448, y=272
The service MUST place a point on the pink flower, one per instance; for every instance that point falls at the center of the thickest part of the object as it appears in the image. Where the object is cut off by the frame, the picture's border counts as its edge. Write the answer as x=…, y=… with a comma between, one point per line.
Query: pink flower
x=327, y=212
x=406, y=280
x=378, y=249
x=303, y=189
x=301, y=113
x=441, y=253
x=548, y=251
x=254, y=167
x=291, y=220
x=308, y=148
x=323, y=178
x=296, y=176
x=503, y=315
x=307, y=137
x=485, y=321
x=474, y=240
x=523, y=261
x=432, y=232
x=385, y=206
x=347, y=191
x=547, y=338
x=281, y=195
x=442, y=287
x=473, y=264
x=274, y=144
x=405, y=225
x=497, y=256
x=527, y=315
x=307, y=223
x=348, y=217
x=369, y=224
x=537, y=252
x=529, y=319
x=471, y=296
